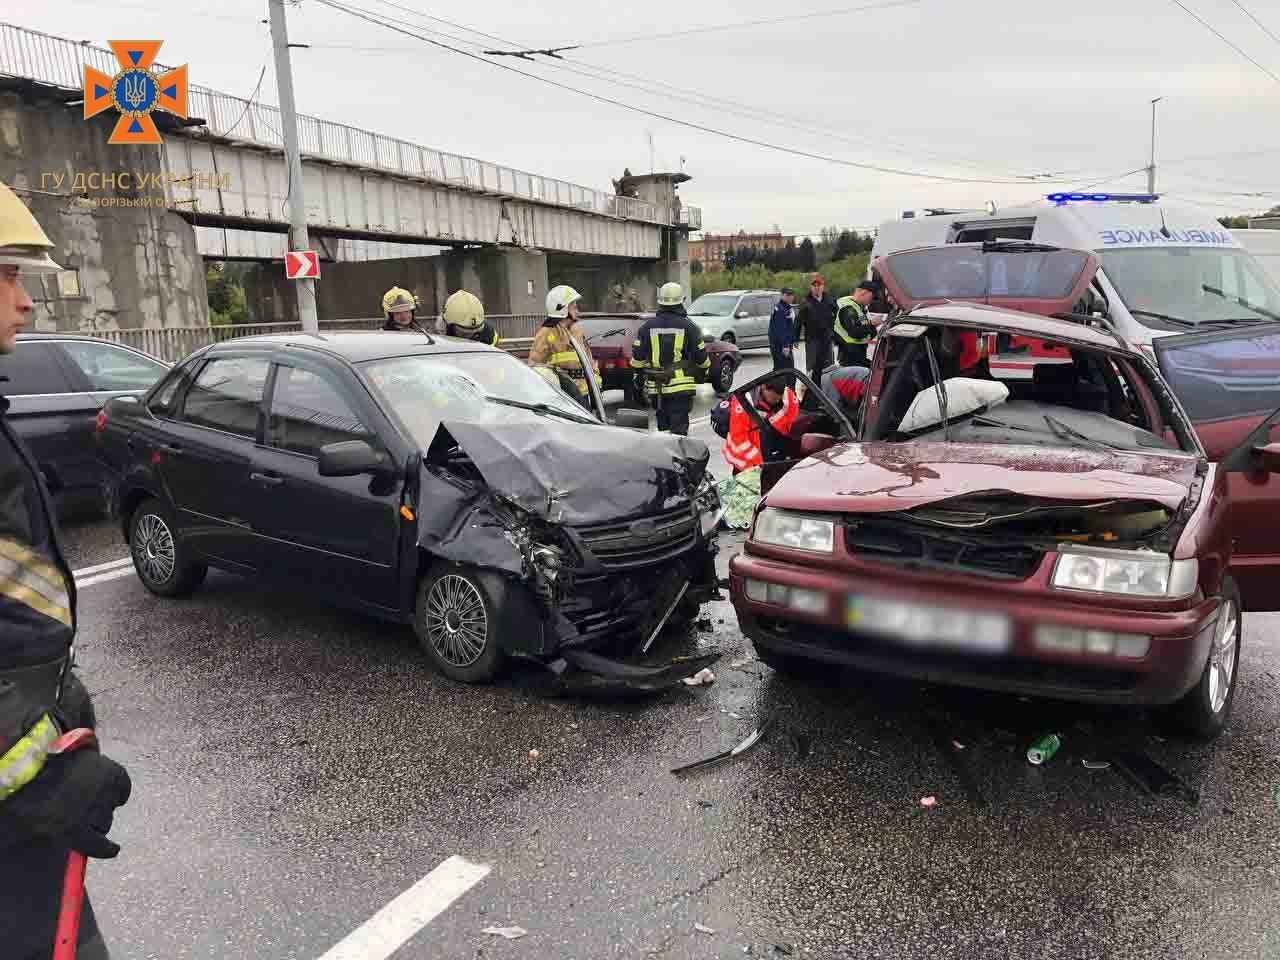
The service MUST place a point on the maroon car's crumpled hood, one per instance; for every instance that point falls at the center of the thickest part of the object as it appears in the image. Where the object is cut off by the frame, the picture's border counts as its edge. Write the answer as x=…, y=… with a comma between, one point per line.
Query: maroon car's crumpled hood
x=880, y=477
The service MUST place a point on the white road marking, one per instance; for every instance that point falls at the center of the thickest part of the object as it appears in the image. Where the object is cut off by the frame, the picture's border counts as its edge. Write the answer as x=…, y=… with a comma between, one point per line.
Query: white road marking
x=99, y=567
x=391, y=927
x=104, y=577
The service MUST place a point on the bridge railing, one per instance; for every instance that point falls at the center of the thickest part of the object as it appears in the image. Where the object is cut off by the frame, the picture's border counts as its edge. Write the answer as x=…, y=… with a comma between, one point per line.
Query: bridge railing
x=171, y=344
x=59, y=62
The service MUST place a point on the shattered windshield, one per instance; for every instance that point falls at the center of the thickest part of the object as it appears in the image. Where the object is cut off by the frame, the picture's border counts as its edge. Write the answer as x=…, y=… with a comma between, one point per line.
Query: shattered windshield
x=1178, y=288
x=938, y=386
x=471, y=387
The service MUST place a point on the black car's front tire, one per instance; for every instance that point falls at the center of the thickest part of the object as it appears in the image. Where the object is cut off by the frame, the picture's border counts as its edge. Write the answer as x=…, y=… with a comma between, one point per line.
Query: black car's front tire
x=457, y=625
x=722, y=376
x=1203, y=712
x=159, y=557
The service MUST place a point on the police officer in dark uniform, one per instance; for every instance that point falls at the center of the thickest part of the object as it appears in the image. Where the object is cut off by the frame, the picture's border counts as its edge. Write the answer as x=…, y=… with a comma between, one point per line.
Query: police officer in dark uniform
x=50, y=803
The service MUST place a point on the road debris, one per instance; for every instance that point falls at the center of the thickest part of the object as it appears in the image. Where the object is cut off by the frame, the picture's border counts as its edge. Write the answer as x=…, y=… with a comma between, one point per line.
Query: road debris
x=803, y=742
x=751, y=740
x=596, y=675
x=957, y=745
x=1096, y=764
x=534, y=757
x=703, y=928
x=703, y=623
x=506, y=933
x=928, y=802
x=705, y=804
x=1043, y=749
x=703, y=678
x=1153, y=779
x=784, y=948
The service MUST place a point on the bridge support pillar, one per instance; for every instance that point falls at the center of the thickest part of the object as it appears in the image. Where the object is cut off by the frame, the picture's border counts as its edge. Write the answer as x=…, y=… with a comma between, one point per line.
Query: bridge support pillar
x=506, y=280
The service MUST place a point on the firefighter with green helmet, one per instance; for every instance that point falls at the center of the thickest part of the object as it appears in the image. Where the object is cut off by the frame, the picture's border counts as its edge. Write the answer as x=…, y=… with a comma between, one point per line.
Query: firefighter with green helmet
x=669, y=350
x=854, y=328
x=464, y=318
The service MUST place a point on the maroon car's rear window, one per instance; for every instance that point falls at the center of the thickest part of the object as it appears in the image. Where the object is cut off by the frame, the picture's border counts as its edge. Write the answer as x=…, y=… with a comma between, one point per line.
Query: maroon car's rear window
x=1222, y=377
x=968, y=274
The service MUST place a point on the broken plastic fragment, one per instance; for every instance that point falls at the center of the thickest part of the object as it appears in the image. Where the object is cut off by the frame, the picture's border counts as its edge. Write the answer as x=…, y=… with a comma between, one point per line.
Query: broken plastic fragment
x=928, y=801
x=752, y=739
x=506, y=933
x=702, y=928
x=534, y=756
x=703, y=678
x=1096, y=764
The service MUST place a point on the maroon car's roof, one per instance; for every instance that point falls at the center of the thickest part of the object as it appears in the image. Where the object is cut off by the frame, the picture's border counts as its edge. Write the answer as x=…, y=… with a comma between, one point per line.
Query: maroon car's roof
x=1000, y=320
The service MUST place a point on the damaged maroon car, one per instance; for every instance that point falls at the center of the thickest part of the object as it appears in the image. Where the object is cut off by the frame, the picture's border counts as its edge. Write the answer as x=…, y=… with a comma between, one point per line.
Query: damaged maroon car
x=424, y=480
x=1064, y=536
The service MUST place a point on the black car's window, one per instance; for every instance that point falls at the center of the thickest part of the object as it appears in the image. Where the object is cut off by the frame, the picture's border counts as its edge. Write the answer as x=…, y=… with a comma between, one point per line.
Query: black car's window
x=33, y=368
x=227, y=394
x=163, y=403
x=108, y=367
x=308, y=412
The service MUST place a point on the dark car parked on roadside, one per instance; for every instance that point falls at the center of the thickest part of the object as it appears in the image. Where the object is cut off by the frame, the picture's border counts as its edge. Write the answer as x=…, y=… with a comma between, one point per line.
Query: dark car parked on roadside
x=425, y=480
x=1070, y=536
x=56, y=384
x=613, y=354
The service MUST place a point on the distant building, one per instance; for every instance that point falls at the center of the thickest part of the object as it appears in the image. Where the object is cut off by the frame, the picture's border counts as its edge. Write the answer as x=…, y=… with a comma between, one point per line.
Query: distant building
x=710, y=250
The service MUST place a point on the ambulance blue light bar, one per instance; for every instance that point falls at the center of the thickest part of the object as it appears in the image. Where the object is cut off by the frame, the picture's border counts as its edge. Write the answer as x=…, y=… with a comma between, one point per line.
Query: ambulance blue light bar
x=1061, y=198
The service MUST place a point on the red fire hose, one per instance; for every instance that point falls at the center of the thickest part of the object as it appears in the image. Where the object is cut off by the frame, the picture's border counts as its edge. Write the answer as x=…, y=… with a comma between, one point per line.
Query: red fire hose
x=64, y=942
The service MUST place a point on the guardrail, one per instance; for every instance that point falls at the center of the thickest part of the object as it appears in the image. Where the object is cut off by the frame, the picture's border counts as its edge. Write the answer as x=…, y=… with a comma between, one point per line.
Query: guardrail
x=171, y=344
x=60, y=62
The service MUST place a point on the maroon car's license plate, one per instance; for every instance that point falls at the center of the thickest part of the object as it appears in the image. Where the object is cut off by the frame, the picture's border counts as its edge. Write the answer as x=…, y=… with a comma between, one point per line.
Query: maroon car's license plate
x=920, y=625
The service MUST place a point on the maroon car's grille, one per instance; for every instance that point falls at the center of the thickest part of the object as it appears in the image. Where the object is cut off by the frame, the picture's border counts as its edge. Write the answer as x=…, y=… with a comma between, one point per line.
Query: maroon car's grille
x=626, y=545
x=907, y=546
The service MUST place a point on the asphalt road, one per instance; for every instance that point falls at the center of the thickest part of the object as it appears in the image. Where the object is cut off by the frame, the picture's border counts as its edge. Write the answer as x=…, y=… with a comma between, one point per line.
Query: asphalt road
x=296, y=769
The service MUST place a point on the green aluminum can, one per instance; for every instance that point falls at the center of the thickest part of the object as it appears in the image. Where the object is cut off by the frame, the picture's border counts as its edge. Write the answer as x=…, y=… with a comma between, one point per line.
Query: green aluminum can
x=1043, y=749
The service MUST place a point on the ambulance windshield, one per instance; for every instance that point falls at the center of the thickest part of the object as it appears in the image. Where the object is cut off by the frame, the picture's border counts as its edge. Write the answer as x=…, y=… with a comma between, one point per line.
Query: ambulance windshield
x=1178, y=288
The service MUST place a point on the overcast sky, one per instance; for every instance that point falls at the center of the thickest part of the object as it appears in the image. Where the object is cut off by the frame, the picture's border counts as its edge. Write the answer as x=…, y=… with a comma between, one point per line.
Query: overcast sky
x=962, y=88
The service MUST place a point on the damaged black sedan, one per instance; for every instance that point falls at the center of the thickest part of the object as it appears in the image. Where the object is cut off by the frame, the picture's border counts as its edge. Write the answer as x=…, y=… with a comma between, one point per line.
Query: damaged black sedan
x=419, y=479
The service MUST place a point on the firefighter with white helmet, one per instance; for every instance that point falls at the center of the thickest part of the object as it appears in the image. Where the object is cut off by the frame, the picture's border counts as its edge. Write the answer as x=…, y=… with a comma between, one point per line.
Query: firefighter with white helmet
x=51, y=802
x=553, y=341
x=398, y=306
x=670, y=349
x=464, y=317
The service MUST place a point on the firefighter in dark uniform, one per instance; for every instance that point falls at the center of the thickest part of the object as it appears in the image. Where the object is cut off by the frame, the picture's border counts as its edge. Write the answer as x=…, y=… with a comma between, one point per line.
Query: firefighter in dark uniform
x=50, y=803
x=464, y=317
x=670, y=347
x=853, y=327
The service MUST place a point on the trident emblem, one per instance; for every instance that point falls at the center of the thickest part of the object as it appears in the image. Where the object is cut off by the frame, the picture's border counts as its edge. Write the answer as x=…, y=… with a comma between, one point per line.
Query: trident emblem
x=135, y=90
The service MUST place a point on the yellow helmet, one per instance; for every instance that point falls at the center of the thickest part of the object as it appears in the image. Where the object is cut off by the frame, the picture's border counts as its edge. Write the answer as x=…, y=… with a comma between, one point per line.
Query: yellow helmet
x=464, y=310
x=397, y=299
x=23, y=244
x=670, y=294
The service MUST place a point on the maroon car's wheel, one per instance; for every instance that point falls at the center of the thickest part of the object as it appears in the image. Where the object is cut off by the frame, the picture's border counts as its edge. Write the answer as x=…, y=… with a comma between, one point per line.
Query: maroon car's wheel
x=1203, y=712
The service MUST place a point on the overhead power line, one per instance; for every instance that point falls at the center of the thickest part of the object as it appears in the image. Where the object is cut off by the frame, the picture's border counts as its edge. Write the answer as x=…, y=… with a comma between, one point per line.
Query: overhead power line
x=1208, y=26
x=714, y=28
x=1261, y=26
x=703, y=128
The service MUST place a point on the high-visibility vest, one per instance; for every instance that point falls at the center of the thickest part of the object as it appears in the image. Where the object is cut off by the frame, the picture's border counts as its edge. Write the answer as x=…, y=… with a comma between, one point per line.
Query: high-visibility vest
x=841, y=333
x=742, y=449
x=681, y=381
x=553, y=346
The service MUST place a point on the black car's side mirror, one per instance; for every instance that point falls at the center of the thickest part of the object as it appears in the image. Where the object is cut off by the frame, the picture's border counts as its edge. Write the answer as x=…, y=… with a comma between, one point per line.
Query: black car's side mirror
x=350, y=458
x=635, y=419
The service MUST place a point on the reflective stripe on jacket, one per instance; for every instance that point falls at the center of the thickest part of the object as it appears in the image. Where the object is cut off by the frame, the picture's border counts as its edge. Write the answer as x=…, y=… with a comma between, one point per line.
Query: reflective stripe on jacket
x=670, y=342
x=852, y=324
x=553, y=345
x=742, y=448
x=21, y=762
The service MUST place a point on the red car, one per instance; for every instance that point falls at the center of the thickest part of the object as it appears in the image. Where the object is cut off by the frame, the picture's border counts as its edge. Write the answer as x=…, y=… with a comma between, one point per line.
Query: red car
x=613, y=353
x=1066, y=536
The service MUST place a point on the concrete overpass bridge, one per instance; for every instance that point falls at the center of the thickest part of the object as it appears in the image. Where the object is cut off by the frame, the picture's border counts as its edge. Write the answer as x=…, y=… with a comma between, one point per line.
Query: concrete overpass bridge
x=505, y=232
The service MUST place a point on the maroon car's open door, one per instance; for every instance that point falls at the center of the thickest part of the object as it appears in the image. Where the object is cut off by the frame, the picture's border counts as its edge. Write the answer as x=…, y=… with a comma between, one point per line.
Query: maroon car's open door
x=1228, y=380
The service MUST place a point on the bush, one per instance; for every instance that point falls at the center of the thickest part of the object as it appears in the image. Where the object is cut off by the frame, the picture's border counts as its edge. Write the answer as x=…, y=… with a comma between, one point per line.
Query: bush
x=841, y=276
x=227, y=305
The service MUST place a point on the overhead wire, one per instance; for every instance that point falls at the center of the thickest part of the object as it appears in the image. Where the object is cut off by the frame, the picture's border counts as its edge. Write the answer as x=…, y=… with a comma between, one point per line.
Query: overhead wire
x=1261, y=26
x=1208, y=26
x=840, y=161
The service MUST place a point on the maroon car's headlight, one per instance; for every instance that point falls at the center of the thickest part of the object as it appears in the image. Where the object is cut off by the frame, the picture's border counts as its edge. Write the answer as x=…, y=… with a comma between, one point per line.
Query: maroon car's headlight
x=1132, y=573
x=781, y=528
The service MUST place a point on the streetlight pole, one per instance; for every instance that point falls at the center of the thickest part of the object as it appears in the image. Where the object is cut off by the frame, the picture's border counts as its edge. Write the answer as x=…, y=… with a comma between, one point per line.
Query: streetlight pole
x=298, y=239
x=1151, y=168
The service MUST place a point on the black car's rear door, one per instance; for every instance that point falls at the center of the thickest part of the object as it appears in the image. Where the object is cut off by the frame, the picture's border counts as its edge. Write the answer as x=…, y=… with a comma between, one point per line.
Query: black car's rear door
x=203, y=457
x=339, y=536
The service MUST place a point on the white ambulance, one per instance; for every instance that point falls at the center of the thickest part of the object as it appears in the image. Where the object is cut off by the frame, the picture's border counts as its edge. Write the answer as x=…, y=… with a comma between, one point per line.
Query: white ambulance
x=1265, y=245
x=1166, y=269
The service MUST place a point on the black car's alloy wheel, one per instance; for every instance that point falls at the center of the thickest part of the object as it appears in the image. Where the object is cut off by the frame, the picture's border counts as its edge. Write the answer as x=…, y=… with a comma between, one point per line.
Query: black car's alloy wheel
x=158, y=555
x=456, y=625
x=722, y=377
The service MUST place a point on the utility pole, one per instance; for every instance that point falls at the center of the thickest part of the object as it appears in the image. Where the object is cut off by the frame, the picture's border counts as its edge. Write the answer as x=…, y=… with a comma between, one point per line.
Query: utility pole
x=298, y=239
x=1151, y=168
